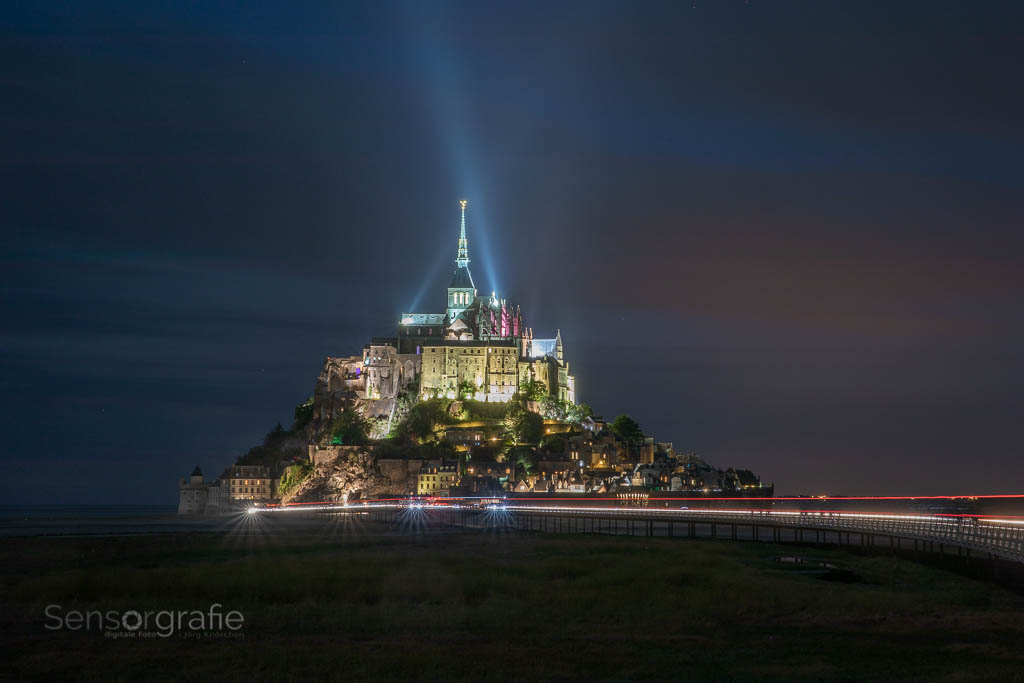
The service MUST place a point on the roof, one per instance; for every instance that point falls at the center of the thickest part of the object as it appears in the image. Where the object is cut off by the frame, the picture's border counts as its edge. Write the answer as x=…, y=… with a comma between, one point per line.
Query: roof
x=542, y=347
x=197, y=472
x=746, y=477
x=462, y=279
x=423, y=318
x=475, y=343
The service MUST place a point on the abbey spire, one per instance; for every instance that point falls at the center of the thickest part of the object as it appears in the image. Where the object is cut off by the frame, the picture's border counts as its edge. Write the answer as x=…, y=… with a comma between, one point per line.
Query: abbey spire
x=477, y=348
x=462, y=260
x=461, y=290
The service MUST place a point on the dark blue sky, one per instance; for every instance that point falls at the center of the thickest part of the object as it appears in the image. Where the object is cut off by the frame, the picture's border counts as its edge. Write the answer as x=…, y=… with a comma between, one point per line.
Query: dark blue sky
x=787, y=236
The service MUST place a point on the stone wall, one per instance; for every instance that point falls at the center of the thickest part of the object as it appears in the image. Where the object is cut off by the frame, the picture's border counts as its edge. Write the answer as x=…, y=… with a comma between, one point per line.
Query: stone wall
x=324, y=455
x=191, y=498
x=205, y=498
x=403, y=473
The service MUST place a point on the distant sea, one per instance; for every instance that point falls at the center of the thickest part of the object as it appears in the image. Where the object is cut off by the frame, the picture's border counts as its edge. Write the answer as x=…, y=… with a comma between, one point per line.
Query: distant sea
x=55, y=511
x=96, y=520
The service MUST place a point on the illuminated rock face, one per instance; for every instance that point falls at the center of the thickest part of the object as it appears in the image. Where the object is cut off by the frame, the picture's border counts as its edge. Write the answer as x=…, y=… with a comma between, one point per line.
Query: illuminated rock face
x=352, y=475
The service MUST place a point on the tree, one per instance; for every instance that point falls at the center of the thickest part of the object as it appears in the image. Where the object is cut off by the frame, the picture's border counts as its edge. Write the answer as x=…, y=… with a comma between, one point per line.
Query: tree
x=577, y=413
x=275, y=437
x=522, y=425
x=466, y=389
x=512, y=423
x=524, y=461
x=627, y=429
x=552, y=408
x=533, y=428
x=349, y=428
x=533, y=390
x=303, y=414
x=424, y=421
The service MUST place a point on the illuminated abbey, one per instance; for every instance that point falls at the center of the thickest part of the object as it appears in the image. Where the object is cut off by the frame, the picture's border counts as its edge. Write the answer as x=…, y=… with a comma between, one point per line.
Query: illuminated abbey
x=478, y=348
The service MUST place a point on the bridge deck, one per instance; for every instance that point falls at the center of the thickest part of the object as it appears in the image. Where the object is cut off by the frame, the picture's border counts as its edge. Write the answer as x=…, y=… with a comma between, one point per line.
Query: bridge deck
x=962, y=535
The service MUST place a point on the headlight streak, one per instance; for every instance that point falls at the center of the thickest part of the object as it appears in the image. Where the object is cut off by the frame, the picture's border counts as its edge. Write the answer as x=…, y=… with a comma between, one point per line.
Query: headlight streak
x=950, y=520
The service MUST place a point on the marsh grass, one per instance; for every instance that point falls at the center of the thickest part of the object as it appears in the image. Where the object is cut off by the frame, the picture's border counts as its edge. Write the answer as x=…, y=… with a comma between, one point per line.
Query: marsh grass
x=373, y=605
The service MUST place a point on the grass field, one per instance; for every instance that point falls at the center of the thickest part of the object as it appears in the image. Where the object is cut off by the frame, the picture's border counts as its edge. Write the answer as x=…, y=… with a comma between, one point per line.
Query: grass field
x=350, y=600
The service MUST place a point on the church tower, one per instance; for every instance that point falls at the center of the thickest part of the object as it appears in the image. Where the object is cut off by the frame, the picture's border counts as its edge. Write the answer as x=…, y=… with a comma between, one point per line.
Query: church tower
x=461, y=290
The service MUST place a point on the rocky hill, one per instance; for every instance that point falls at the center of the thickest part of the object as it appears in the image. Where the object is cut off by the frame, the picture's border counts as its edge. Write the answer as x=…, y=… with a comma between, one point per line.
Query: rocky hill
x=350, y=476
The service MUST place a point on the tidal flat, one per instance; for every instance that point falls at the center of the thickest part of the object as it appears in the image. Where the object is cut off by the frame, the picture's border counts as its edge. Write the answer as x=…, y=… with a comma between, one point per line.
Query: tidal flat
x=348, y=599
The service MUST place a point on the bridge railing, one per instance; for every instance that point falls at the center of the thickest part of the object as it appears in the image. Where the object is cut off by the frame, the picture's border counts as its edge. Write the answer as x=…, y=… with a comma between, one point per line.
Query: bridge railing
x=1000, y=538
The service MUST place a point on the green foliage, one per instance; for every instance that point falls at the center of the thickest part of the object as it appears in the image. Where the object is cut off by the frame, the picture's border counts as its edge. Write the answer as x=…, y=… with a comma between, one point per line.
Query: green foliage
x=303, y=414
x=627, y=429
x=293, y=476
x=481, y=411
x=350, y=428
x=466, y=389
x=524, y=460
x=552, y=409
x=259, y=455
x=533, y=390
x=276, y=436
x=513, y=422
x=533, y=429
x=377, y=427
x=404, y=403
x=555, y=409
x=277, y=445
x=521, y=425
x=577, y=413
x=425, y=420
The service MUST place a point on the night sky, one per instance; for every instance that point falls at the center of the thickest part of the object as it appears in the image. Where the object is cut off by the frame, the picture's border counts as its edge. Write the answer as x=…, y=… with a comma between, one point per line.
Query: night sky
x=786, y=236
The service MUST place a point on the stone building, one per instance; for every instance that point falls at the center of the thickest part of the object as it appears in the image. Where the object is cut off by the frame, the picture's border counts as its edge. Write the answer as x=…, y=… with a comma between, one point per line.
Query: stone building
x=343, y=374
x=386, y=371
x=248, y=482
x=437, y=481
x=198, y=497
x=487, y=369
x=477, y=348
x=192, y=494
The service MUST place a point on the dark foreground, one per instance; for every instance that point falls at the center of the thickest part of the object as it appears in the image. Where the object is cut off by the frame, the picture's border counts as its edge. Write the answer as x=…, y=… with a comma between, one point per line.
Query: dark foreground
x=349, y=599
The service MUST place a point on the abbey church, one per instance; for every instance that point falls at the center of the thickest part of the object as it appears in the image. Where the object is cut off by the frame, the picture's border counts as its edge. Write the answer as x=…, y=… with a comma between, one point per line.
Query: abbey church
x=477, y=348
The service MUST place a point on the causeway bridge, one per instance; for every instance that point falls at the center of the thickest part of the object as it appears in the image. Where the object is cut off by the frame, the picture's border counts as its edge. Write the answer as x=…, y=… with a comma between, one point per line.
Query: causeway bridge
x=987, y=537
